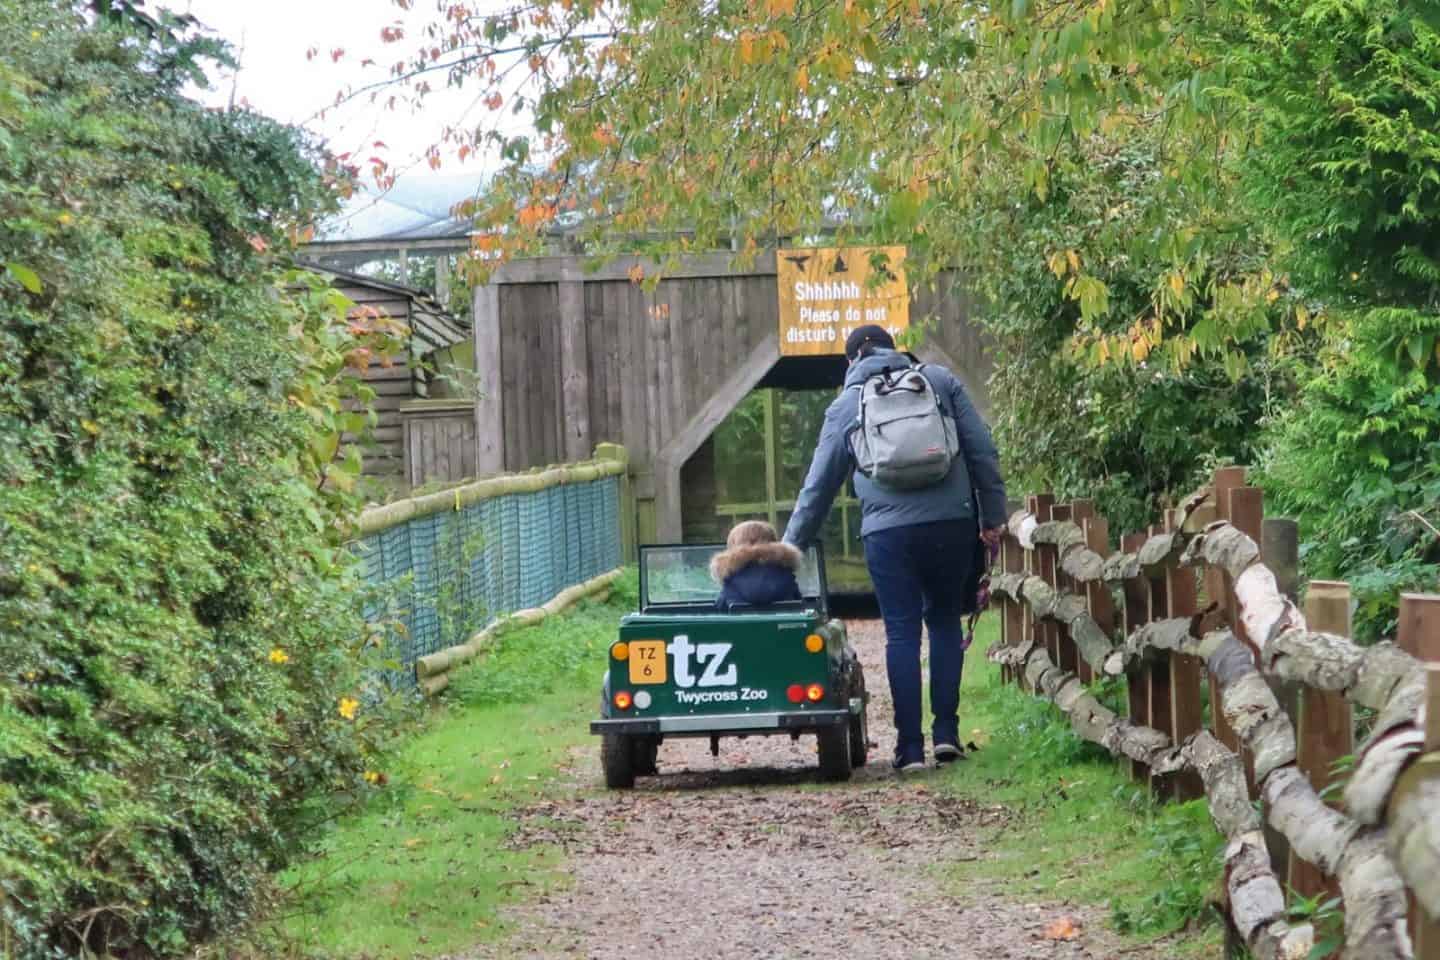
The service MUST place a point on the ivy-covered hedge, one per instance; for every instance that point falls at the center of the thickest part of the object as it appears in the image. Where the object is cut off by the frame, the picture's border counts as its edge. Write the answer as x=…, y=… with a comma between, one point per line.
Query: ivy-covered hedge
x=178, y=686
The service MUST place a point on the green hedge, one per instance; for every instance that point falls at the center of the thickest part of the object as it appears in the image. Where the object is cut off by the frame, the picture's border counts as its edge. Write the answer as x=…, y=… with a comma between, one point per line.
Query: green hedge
x=179, y=695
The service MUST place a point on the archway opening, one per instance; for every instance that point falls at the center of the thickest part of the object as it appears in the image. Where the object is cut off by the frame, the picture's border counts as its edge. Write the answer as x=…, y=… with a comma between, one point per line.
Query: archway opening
x=753, y=465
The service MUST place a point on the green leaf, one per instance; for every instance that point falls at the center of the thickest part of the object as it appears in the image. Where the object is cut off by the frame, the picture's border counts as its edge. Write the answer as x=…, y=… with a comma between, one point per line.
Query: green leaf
x=27, y=278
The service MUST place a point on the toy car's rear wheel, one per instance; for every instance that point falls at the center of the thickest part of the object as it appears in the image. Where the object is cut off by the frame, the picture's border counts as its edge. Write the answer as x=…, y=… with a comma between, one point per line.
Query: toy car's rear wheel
x=834, y=744
x=617, y=757
x=859, y=725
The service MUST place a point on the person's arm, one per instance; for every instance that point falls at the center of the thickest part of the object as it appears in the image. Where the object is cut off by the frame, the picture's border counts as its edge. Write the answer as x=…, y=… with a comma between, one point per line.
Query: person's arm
x=981, y=458
x=828, y=470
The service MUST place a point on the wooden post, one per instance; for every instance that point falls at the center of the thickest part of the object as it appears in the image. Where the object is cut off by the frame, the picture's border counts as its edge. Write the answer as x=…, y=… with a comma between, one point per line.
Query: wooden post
x=1186, y=673
x=1247, y=514
x=772, y=454
x=575, y=370
x=1045, y=631
x=1012, y=561
x=1097, y=593
x=1419, y=636
x=1135, y=615
x=1280, y=552
x=1081, y=513
x=1324, y=726
x=1067, y=654
x=1030, y=629
x=616, y=453
x=489, y=408
x=1217, y=591
x=1432, y=708
x=1160, y=708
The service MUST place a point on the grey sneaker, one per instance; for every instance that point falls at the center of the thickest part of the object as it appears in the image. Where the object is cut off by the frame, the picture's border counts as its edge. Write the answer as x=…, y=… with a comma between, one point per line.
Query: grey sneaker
x=948, y=753
x=908, y=762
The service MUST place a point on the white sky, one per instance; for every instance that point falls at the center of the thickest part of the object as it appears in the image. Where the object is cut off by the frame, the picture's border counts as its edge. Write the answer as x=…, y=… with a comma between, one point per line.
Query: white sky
x=271, y=37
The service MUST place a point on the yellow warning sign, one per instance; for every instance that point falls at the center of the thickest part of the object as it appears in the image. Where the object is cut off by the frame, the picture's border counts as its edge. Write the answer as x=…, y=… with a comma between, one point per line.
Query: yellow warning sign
x=826, y=293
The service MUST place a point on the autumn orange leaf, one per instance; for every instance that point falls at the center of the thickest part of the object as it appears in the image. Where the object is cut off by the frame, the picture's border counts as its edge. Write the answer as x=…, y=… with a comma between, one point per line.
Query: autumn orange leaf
x=1062, y=928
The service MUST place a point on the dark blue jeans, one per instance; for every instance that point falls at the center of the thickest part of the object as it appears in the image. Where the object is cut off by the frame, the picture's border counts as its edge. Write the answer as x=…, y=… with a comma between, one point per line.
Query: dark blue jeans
x=919, y=573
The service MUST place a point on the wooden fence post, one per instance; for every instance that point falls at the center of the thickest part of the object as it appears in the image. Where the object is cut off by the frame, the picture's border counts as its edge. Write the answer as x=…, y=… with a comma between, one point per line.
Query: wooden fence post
x=1012, y=561
x=1247, y=514
x=1045, y=631
x=1324, y=725
x=1068, y=655
x=1160, y=712
x=1081, y=513
x=1419, y=636
x=1030, y=563
x=1217, y=591
x=1186, y=672
x=1137, y=680
x=615, y=453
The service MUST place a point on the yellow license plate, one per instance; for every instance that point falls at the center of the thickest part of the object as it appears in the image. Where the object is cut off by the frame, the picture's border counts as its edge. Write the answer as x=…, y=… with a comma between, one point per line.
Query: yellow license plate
x=647, y=661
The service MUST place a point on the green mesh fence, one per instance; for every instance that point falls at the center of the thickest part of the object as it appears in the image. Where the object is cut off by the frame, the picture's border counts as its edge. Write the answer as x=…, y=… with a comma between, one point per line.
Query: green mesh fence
x=442, y=577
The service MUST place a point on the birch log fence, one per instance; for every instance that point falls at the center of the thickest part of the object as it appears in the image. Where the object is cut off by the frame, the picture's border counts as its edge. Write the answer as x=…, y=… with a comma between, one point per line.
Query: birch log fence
x=1236, y=695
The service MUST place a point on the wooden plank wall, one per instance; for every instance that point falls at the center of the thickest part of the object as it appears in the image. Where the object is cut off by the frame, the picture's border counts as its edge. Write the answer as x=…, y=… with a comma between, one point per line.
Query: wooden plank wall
x=394, y=385
x=652, y=359
x=439, y=442
x=642, y=364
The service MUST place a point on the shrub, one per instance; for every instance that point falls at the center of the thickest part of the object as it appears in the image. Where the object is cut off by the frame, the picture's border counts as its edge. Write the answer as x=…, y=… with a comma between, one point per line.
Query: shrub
x=178, y=694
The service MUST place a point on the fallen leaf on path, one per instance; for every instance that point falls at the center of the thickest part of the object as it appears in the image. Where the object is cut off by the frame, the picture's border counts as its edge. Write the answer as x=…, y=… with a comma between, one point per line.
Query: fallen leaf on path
x=1062, y=928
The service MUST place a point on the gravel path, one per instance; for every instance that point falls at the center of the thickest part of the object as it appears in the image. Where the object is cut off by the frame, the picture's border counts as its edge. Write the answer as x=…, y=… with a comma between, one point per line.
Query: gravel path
x=745, y=855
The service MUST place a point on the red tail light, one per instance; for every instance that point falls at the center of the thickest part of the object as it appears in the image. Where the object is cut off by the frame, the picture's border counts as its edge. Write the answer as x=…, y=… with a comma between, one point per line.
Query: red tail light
x=814, y=692
x=795, y=693
x=622, y=700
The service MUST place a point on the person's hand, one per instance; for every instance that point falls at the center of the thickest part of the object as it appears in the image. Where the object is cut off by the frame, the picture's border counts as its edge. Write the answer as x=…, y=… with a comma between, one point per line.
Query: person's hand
x=992, y=536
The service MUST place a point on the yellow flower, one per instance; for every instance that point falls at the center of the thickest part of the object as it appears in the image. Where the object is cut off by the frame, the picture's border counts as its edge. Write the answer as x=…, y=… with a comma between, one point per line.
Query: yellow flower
x=348, y=707
x=371, y=776
x=279, y=656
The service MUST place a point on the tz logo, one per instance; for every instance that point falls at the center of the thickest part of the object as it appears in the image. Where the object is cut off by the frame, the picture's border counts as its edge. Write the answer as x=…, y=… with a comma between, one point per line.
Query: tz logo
x=710, y=657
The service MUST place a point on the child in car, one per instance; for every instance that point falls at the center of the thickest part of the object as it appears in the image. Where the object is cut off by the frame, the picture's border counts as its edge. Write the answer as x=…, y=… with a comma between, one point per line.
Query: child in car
x=756, y=568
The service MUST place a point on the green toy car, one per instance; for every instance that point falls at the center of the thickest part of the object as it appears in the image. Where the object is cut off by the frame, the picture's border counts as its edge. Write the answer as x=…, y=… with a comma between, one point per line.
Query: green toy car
x=683, y=668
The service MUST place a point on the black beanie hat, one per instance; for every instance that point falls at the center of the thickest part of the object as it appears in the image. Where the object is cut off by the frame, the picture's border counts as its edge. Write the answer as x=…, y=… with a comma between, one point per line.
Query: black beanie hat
x=869, y=333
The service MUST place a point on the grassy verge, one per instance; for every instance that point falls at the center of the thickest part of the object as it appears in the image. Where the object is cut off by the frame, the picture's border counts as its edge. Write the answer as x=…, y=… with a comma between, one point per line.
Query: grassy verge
x=425, y=865
x=1082, y=830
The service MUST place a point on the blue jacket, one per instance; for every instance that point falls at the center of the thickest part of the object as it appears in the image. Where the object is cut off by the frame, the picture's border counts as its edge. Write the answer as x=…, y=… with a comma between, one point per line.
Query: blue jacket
x=974, y=476
x=756, y=574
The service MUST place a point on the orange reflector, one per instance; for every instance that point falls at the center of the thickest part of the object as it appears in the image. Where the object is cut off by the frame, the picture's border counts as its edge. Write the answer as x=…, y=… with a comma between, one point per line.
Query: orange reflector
x=814, y=643
x=622, y=699
x=814, y=692
x=620, y=651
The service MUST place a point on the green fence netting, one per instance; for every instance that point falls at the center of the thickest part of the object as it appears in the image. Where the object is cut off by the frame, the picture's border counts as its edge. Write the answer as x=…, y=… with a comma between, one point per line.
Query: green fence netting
x=440, y=578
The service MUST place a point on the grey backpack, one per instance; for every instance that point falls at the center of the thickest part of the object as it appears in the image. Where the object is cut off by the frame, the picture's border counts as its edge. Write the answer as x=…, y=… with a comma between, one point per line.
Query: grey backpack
x=903, y=440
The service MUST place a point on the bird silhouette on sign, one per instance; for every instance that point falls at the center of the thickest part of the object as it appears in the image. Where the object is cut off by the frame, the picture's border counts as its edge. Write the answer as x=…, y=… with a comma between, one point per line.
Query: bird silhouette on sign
x=799, y=260
x=839, y=265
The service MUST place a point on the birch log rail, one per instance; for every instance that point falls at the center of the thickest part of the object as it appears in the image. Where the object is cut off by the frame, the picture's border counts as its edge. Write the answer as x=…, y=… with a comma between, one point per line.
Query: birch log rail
x=1388, y=838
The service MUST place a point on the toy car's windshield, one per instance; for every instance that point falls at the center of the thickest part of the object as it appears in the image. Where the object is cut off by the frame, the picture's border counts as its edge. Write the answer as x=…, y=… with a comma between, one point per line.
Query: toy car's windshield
x=680, y=576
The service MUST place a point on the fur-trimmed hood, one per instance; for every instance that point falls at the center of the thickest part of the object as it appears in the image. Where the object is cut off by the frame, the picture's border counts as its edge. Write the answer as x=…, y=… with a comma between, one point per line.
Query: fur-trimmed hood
x=725, y=565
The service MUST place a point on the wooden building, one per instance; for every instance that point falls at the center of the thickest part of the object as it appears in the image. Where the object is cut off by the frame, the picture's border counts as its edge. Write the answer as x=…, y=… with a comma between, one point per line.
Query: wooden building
x=409, y=395
x=570, y=354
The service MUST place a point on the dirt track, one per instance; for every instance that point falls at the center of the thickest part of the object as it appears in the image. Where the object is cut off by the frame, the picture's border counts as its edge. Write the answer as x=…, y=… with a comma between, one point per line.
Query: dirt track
x=744, y=856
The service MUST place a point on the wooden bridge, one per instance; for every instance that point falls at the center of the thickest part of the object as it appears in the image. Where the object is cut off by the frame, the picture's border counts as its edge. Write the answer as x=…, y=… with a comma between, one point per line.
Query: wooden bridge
x=569, y=355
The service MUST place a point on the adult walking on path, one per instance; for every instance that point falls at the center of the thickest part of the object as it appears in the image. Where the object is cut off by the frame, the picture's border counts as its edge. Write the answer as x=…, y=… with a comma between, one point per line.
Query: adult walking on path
x=920, y=482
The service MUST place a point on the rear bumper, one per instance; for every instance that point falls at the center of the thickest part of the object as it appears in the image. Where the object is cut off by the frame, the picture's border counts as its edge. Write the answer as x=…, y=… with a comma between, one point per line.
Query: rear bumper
x=704, y=724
